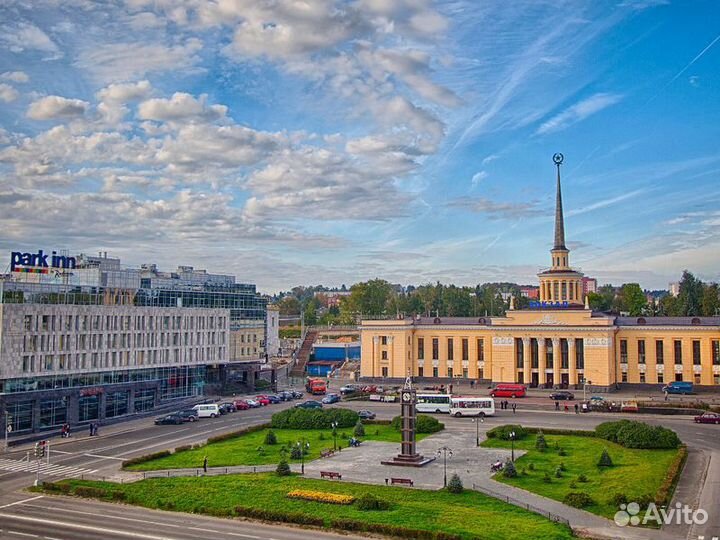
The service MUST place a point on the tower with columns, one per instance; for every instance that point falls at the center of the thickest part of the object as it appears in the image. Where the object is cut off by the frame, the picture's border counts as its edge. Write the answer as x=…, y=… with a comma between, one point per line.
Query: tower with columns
x=560, y=283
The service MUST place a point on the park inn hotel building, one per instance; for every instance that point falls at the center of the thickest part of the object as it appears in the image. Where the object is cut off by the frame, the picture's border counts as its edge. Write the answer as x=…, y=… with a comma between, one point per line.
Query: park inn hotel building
x=558, y=344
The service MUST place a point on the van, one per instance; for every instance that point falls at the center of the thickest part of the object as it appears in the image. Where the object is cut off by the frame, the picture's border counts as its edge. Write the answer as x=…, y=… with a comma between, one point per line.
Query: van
x=209, y=410
x=509, y=390
x=678, y=387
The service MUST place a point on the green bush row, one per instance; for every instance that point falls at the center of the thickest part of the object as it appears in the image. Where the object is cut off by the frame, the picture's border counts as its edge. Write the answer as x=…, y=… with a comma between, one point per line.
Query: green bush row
x=146, y=457
x=633, y=434
x=390, y=530
x=423, y=424
x=279, y=515
x=90, y=492
x=503, y=432
x=672, y=475
x=313, y=418
x=554, y=431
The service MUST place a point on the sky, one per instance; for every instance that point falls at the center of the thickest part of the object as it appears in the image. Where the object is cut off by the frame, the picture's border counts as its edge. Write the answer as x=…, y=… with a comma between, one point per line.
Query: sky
x=329, y=142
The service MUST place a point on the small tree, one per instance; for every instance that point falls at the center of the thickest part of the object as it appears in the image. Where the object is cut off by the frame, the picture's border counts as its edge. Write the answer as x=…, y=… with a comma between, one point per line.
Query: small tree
x=261, y=450
x=546, y=478
x=296, y=452
x=582, y=478
x=359, y=430
x=540, y=442
x=270, y=438
x=558, y=473
x=283, y=469
x=509, y=470
x=605, y=460
x=455, y=485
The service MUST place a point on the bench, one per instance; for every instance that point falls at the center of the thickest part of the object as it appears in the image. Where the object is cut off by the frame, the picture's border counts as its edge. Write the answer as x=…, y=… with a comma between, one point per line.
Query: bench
x=406, y=481
x=326, y=453
x=330, y=475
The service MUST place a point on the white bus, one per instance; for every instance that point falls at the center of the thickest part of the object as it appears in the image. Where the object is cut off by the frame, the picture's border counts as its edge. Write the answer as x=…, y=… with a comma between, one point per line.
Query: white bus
x=437, y=403
x=472, y=406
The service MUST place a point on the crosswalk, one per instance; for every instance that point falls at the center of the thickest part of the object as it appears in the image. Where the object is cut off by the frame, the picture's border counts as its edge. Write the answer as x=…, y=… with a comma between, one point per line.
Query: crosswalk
x=64, y=471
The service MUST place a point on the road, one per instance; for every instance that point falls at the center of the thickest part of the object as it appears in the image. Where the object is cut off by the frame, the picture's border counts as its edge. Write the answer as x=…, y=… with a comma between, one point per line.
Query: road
x=22, y=515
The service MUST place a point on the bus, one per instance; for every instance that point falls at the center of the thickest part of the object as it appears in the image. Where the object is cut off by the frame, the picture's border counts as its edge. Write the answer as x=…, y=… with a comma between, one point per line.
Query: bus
x=472, y=406
x=437, y=403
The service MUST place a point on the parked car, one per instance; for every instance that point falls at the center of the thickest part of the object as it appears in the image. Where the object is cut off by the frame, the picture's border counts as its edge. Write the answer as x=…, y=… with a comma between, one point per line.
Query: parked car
x=273, y=399
x=241, y=405
x=366, y=415
x=596, y=405
x=330, y=398
x=262, y=400
x=309, y=405
x=297, y=394
x=253, y=403
x=189, y=415
x=174, y=419
x=629, y=406
x=227, y=408
x=285, y=395
x=678, y=387
x=208, y=410
x=508, y=390
x=562, y=394
x=349, y=389
x=708, y=418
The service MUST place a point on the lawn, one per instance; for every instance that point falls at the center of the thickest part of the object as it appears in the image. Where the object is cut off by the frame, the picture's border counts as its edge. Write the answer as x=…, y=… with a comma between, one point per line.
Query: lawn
x=470, y=515
x=635, y=473
x=245, y=449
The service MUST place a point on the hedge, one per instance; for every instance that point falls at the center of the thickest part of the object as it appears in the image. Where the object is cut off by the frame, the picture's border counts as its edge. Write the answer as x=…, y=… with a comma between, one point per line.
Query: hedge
x=90, y=492
x=423, y=424
x=672, y=475
x=554, y=431
x=503, y=432
x=391, y=530
x=632, y=434
x=146, y=457
x=313, y=418
x=239, y=433
x=278, y=515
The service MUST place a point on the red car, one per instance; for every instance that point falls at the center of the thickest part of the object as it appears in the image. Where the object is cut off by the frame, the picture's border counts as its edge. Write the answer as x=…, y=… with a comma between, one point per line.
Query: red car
x=241, y=405
x=263, y=400
x=708, y=418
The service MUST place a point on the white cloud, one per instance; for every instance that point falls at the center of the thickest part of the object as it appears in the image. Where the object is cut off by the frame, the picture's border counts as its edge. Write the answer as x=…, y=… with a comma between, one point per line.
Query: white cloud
x=694, y=81
x=490, y=159
x=180, y=106
x=51, y=107
x=478, y=177
x=497, y=210
x=24, y=36
x=578, y=112
x=15, y=76
x=123, y=93
x=8, y=93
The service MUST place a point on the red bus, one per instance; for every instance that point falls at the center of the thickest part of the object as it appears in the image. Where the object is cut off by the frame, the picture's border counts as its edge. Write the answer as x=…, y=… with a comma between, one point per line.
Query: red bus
x=509, y=390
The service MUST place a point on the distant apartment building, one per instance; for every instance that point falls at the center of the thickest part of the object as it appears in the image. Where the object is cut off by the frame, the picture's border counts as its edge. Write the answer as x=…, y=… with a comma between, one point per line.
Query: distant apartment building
x=530, y=291
x=272, y=341
x=589, y=285
x=674, y=288
x=331, y=298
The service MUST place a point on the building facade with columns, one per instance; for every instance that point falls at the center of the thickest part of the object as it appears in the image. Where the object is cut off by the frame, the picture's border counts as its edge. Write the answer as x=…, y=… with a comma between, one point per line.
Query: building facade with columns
x=558, y=343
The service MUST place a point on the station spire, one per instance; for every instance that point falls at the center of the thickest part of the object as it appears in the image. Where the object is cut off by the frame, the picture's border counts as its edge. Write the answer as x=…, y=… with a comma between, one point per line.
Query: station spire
x=559, y=220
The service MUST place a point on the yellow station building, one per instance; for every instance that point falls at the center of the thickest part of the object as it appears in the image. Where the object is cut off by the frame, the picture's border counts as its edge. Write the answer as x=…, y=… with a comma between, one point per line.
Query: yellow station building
x=557, y=344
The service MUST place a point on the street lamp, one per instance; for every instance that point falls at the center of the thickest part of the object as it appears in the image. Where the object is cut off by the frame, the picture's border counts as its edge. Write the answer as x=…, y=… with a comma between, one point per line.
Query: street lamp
x=334, y=434
x=303, y=445
x=446, y=453
x=585, y=383
x=477, y=422
x=512, y=446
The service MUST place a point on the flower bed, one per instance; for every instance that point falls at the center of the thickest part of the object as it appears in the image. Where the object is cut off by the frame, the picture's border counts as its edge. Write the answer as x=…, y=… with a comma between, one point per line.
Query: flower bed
x=320, y=496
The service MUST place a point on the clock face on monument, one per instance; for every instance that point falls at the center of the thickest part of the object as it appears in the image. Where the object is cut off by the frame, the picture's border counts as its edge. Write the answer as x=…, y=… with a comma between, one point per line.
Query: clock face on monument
x=407, y=397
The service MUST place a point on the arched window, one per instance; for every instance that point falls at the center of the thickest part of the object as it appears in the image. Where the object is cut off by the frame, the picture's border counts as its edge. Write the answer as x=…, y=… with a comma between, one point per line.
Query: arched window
x=695, y=320
x=641, y=320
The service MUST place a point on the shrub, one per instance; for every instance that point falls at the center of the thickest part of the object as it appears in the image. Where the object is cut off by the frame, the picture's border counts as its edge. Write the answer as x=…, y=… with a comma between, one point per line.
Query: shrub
x=577, y=499
x=562, y=466
x=295, y=452
x=562, y=452
x=608, y=430
x=270, y=437
x=509, y=470
x=359, y=430
x=540, y=443
x=582, y=478
x=261, y=450
x=455, y=485
x=368, y=501
x=605, y=460
x=672, y=475
x=423, y=424
x=546, y=478
x=283, y=469
x=147, y=457
x=90, y=492
x=313, y=418
x=278, y=515
x=503, y=432
x=321, y=496
x=572, y=484
x=618, y=499
x=531, y=466
x=558, y=473
x=118, y=495
x=645, y=500
x=640, y=435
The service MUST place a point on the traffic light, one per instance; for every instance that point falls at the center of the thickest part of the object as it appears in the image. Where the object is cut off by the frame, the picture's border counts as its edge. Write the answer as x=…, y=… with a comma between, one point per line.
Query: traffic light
x=40, y=449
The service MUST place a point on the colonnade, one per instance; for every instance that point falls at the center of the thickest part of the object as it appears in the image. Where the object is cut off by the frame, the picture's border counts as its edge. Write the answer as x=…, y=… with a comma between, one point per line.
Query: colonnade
x=542, y=361
x=561, y=290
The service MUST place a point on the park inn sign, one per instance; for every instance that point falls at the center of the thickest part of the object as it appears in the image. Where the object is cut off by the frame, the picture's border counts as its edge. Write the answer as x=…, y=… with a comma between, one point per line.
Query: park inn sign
x=40, y=262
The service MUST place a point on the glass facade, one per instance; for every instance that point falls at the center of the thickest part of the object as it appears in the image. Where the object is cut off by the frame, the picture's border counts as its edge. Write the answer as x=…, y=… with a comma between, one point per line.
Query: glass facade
x=116, y=404
x=21, y=413
x=88, y=408
x=53, y=412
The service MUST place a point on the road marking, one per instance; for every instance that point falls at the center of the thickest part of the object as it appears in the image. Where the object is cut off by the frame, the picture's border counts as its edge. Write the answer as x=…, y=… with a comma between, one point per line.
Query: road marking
x=86, y=527
x=22, y=502
x=45, y=469
x=23, y=534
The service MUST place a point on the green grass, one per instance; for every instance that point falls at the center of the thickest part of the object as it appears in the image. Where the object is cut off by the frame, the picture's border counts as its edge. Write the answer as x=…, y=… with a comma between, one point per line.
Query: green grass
x=243, y=450
x=635, y=472
x=471, y=515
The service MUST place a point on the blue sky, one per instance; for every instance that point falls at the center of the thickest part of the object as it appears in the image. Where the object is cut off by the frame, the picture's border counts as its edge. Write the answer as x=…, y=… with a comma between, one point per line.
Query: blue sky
x=331, y=142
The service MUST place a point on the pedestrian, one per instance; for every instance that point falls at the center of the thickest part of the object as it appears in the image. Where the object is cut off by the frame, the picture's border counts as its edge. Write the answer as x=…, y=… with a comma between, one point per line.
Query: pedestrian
x=557, y=405
x=205, y=464
x=96, y=428
x=472, y=384
x=566, y=408
x=666, y=395
x=514, y=406
x=577, y=409
x=90, y=427
x=450, y=389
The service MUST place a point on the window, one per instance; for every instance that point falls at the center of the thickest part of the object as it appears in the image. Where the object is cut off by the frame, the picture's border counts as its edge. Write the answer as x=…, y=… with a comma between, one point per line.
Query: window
x=659, y=352
x=623, y=351
x=696, y=352
x=678, y=377
x=450, y=349
x=624, y=376
x=481, y=373
x=641, y=351
x=564, y=353
x=642, y=377
x=697, y=378
x=534, y=353
x=116, y=404
x=677, y=344
x=383, y=340
x=421, y=348
x=435, y=371
x=27, y=323
x=660, y=377
x=420, y=371
x=519, y=353
x=465, y=348
x=715, y=346
x=580, y=353
x=449, y=371
x=481, y=350
x=435, y=351
x=465, y=373
x=716, y=378
x=383, y=355
x=88, y=408
x=549, y=356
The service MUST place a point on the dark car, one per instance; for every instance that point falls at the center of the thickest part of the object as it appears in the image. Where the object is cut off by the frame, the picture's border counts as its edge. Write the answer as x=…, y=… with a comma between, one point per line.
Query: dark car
x=309, y=405
x=562, y=394
x=273, y=399
x=297, y=394
x=708, y=418
x=189, y=415
x=173, y=418
x=349, y=389
x=227, y=408
x=366, y=415
x=285, y=395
